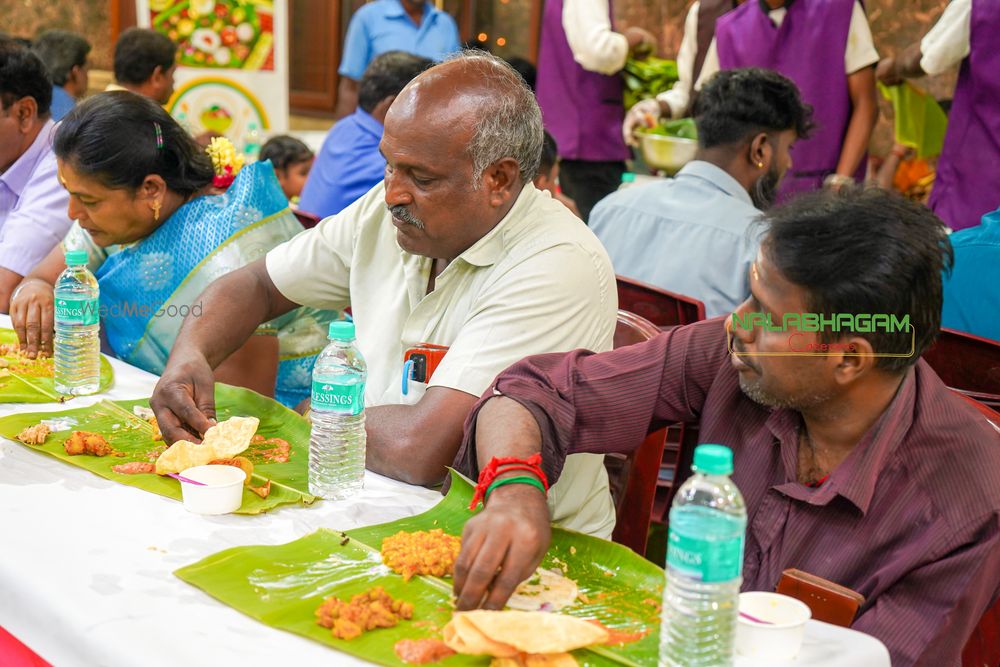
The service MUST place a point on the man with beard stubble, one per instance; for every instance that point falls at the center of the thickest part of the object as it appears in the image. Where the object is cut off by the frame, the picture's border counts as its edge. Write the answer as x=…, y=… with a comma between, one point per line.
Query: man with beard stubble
x=456, y=247
x=857, y=463
x=690, y=234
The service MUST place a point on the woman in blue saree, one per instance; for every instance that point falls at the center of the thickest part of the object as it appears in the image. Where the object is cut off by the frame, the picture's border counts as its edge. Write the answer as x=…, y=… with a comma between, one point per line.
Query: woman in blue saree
x=158, y=229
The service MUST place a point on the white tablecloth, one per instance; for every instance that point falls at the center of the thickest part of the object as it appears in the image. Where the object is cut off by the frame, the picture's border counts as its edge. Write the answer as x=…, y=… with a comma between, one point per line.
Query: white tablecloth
x=85, y=566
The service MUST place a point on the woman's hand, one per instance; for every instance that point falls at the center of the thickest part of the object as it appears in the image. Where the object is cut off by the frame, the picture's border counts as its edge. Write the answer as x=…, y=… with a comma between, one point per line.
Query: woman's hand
x=32, y=311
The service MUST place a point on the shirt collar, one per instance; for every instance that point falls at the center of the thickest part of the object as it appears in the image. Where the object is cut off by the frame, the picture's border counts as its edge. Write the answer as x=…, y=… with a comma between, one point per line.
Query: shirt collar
x=718, y=177
x=855, y=478
x=394, y=9
x=766, y=8
x=487, y=250
x=368, y=122
x=19, y=173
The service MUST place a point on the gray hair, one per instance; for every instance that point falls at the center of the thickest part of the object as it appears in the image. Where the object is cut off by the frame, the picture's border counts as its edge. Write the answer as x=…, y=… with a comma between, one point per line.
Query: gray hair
x=510, y=123
x=61, y=51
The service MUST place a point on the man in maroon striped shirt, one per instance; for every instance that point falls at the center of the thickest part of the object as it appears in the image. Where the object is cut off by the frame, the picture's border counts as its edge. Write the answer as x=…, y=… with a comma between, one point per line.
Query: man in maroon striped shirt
x=860, y=468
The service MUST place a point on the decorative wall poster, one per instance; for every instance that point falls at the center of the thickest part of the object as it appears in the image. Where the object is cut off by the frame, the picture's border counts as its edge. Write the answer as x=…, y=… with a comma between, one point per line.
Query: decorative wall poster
x=232, y=63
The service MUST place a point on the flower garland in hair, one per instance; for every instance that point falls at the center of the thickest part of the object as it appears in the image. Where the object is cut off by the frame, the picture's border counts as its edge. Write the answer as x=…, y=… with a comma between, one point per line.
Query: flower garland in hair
x=225, y=160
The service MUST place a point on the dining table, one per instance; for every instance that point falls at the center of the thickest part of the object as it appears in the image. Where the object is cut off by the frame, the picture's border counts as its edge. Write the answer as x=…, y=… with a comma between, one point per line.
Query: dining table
x=86, y=565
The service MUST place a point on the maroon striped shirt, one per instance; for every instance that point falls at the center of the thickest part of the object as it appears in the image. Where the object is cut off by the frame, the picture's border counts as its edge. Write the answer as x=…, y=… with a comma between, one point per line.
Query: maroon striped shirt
x=911, y=519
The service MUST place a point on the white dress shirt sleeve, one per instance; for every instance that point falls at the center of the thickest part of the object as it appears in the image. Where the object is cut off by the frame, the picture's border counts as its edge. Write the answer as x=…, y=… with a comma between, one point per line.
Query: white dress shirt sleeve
x=679, y=95
x=948, y=42
x=860, y=52
x=595, y=45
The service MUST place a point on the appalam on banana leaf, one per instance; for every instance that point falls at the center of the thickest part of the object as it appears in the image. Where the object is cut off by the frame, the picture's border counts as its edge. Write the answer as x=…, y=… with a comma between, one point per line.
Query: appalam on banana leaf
x=25, y=380
x=131, y=437
x=281, y=586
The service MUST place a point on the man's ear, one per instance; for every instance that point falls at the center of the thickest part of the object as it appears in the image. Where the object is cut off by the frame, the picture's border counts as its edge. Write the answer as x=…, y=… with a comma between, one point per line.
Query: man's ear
x=500, y=179
x=760, y=151
x=25, y=113
x=857, y=359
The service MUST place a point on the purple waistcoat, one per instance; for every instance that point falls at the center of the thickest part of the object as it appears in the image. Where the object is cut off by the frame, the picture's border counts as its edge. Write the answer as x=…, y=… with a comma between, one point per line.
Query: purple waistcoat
x=967, y=184
x=582, y=110
x=809, y=49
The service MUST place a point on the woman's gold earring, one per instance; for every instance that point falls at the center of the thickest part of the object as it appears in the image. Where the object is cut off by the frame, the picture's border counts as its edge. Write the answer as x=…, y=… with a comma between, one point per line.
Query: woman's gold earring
x=760, y=165
x=156, y=211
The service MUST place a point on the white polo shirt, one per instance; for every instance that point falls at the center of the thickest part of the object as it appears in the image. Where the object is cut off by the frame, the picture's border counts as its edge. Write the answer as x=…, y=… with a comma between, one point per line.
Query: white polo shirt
x=540, y=281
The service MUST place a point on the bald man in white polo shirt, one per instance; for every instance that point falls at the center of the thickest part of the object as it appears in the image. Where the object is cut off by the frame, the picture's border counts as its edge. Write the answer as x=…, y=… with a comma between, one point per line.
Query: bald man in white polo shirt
x=455, y=248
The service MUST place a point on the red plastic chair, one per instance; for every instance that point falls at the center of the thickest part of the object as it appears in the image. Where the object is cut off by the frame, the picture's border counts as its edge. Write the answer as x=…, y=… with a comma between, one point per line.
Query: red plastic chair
x=665, y=309
x=983, y=647
x=308, y=220
x=662, y=308
x=968, y=364
x=634, y=476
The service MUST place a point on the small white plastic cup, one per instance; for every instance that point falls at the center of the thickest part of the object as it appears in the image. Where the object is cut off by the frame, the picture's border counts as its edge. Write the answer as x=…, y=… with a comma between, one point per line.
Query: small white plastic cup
x=222, y=493
x=782, y=639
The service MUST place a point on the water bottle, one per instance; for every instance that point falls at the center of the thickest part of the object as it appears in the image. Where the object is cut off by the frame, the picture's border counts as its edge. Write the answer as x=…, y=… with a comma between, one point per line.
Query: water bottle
x=251, y=143
x=337, y=441
x=704, y=565
x=77, y=353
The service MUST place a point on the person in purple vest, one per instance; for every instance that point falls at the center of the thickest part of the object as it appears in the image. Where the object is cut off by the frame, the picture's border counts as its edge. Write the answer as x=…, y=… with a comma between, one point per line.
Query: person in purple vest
x=826, y=48
x=965, y=188
x=580, y=93
x=699, y=31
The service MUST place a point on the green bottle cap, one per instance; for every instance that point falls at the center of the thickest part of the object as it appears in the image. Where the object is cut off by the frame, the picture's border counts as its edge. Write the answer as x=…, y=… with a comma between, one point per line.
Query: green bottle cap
x=713, y=460
x=341, y=330
x=628, y=177
x=76, y=257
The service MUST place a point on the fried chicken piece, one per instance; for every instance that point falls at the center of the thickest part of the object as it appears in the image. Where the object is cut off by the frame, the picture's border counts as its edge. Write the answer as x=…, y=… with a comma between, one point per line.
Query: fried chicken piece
x=135, y=468
x=84, y=442
x=34, y=435
x=366, y=611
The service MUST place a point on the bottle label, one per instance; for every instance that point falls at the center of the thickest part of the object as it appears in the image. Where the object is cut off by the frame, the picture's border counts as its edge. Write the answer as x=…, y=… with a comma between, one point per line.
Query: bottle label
x=345, y=399
x=77, y=311
x=697, y=555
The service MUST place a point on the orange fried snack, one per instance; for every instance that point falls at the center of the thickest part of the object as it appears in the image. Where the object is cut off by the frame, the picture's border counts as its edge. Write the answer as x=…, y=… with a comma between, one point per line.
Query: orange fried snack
x=84, y=442
x=431, y=552
x=422, y=651
x=365, y=611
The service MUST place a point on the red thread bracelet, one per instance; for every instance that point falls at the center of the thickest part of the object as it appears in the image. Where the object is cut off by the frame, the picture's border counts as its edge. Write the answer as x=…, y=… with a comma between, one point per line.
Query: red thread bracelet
x=488, y=474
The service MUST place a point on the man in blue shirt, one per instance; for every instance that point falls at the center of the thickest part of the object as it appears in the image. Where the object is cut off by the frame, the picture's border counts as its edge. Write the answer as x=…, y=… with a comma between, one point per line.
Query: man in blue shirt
x=971, y=297
x=65, y=56
x=413, y=26
x=349, y=164
x=691, y=234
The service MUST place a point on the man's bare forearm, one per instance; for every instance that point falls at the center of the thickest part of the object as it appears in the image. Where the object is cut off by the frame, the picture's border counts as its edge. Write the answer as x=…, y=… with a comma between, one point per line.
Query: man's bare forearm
x=864, y=115
x=232, y=308
x=504, y=427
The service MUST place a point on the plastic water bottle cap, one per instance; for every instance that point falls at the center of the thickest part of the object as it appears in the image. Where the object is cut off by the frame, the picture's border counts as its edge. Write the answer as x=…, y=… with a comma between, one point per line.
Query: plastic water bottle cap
x=76, y=257
x=628, y=177
x=341, y=330
x=713, y=460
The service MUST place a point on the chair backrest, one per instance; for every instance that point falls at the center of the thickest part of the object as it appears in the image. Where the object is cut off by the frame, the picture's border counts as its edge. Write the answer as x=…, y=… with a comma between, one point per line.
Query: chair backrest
x=967, y=363
x=633, y=477
x=983, y=648
x=308, y=220
x=662, y=308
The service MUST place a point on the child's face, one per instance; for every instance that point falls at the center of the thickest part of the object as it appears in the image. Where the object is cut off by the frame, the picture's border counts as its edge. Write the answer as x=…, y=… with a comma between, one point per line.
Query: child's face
x=293, y=177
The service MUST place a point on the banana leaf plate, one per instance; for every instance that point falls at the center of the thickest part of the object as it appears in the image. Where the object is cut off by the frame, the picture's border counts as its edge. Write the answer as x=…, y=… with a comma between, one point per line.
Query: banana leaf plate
x=281, y=586
x=30, y=380
x=131, y=438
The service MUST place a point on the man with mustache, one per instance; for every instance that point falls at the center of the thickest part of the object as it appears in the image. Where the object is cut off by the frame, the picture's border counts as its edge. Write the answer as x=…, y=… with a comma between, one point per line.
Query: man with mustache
x=857, y=463
x=455, y=248
x=748, y=120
